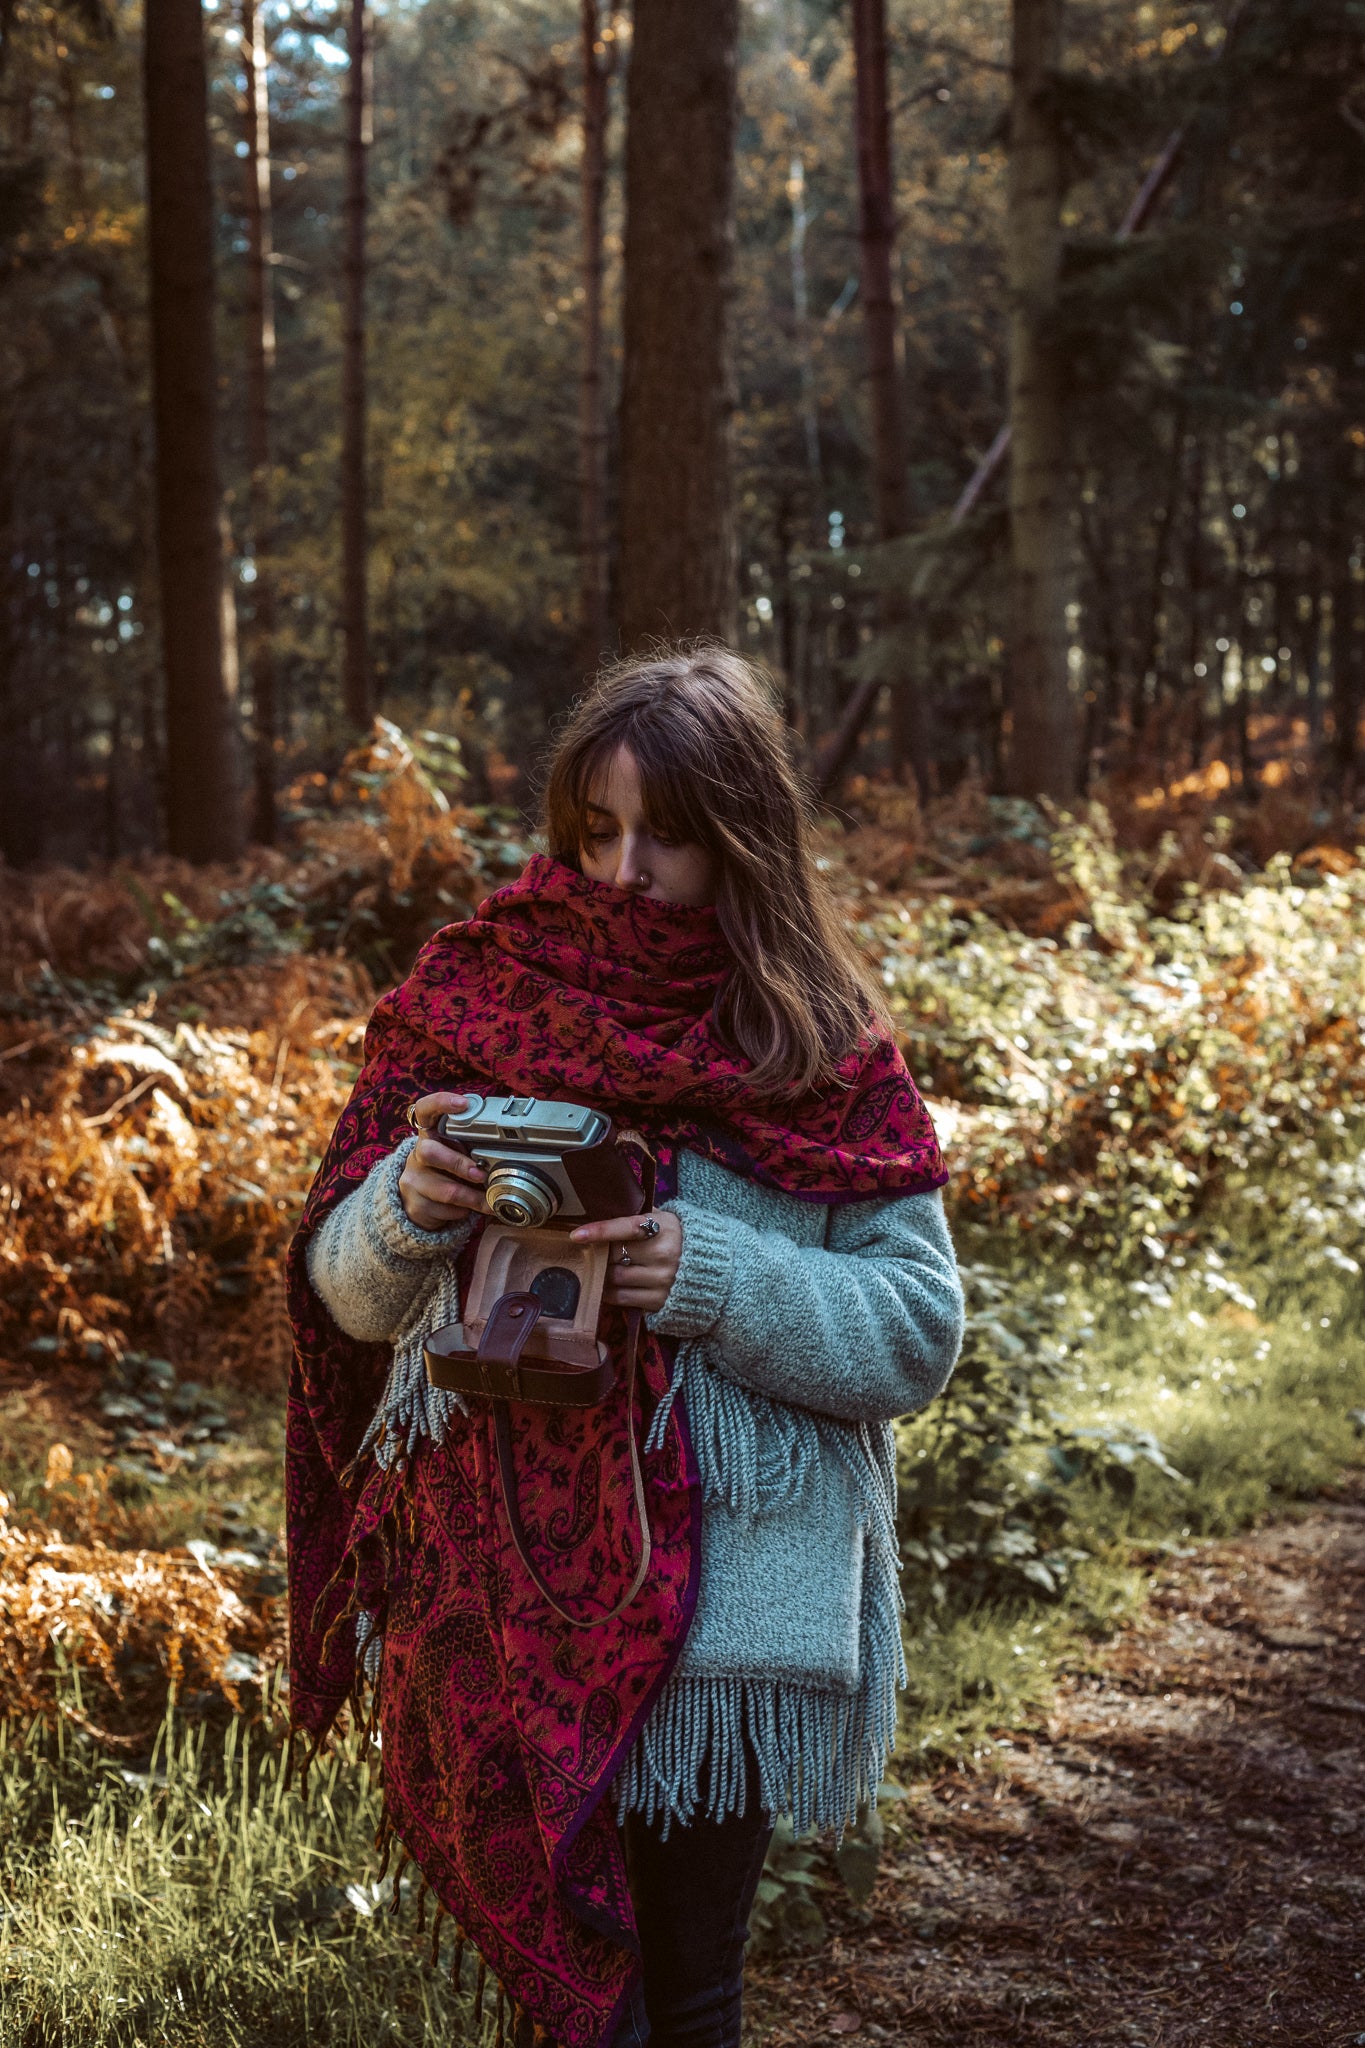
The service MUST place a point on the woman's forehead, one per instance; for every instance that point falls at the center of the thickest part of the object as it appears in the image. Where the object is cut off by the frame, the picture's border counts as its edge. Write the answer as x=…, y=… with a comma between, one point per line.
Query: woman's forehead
x=618, y=784
x=613, y=782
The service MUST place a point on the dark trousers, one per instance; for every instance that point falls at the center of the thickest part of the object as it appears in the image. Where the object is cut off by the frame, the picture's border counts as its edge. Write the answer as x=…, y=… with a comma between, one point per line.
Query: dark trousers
x=693, y=1895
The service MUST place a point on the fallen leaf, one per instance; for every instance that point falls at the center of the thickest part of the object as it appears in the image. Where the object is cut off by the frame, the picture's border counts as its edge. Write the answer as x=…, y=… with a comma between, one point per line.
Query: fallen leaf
x=59, y=1464
x=1295, y=1639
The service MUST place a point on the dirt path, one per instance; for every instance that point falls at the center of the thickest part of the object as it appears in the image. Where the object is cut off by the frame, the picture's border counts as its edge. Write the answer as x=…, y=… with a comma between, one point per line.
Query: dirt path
x=1178, y=1858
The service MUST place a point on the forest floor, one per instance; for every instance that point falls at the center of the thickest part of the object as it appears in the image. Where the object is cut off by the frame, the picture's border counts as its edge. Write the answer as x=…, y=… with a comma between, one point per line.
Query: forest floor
x=1175, y=1855
x=1133, y=1749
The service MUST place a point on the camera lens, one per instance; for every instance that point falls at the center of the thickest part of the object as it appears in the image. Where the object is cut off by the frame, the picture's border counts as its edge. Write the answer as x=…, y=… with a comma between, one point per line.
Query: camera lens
x=557, y=1290
x=518, y=1194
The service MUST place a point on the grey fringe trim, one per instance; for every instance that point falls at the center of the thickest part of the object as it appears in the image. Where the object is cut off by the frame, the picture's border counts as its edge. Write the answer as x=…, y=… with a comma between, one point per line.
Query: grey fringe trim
x=820, y=1753
x=369, y=1644
x=817, y=1754
x=755, y=1455
x=410, y=1406
x=758, y=1456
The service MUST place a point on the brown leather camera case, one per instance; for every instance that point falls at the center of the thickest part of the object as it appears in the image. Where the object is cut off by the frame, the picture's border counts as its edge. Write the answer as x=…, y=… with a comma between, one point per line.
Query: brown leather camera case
x=531, y=1356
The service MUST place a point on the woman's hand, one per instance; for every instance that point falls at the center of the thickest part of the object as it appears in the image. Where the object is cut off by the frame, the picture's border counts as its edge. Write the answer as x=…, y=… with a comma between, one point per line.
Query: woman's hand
x=643, y=1278
x=439, y=1186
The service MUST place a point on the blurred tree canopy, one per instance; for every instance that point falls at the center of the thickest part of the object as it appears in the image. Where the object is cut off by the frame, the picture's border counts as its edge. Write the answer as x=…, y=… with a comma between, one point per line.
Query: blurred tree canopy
x=1214, y=367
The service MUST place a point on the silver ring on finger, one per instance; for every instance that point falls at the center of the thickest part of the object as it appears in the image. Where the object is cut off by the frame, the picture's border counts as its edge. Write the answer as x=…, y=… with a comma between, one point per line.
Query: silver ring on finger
x=650, y=1226
x=624, y=1259
x=411, y=1114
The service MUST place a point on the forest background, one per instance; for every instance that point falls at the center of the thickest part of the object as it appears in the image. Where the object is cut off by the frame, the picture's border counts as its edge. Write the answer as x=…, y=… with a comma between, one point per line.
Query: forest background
x=283, y=628
x=1195, y=449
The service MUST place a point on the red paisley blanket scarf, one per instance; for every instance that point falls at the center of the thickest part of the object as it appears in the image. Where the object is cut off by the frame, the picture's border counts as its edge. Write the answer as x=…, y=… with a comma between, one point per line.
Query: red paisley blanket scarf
x=501, y=1728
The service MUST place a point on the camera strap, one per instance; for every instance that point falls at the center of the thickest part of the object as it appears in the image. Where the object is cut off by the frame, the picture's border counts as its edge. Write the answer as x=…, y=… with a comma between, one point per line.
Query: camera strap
x=507, y=1475
x=497, y=1371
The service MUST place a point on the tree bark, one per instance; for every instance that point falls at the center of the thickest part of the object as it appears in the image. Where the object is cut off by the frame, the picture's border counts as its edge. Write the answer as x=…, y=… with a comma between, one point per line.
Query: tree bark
x=1196, y=558
x=1043, y=738
x=677, y=556
x=203, y=813
x=356, y=680
x=876, y=240
x=805, y=357
x=1348, y=635
x=598, y=43
x=260, y=367
x=22, y=808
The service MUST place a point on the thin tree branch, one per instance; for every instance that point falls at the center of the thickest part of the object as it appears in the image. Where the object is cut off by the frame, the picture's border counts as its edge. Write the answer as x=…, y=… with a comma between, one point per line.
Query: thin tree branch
x=1351, y=117
x=934, y=46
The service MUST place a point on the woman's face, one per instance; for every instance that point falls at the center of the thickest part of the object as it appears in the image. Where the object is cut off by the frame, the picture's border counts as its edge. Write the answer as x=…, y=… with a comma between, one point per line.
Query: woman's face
x=620, y=850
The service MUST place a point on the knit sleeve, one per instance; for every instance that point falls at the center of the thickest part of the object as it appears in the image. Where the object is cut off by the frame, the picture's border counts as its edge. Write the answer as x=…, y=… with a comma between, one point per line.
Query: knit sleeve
x=368, y=1260
x=864, y=1328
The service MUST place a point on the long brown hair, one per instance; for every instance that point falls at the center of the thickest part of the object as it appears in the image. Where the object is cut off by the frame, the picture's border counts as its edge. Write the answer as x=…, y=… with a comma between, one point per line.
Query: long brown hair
x=716, y=771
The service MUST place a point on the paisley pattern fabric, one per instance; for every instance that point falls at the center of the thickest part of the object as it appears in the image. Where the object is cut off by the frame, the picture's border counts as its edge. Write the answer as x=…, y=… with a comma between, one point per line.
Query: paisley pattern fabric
x=501, y=1727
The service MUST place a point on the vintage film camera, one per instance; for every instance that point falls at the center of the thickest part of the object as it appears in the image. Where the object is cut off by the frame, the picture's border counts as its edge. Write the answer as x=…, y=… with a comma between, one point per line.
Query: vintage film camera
x=528, y=1331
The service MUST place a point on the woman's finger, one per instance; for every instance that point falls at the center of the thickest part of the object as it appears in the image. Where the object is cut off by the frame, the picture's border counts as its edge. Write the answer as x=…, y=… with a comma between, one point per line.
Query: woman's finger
x=646, y=1298
x=435, y=1192
x=615, y=1230
x=434, y=1157
x=424, y=1112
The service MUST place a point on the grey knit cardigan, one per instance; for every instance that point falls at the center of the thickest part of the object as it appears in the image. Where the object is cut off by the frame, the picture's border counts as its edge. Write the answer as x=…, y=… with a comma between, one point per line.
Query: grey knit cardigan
x=802, y=1330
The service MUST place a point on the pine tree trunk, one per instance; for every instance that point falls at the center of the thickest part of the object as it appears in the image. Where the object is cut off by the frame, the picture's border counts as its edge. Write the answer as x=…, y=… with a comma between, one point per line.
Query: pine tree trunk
x=1196, y=577
x=202, y=809
x=598, y=39
x=260, y=366
x=1348, y=635
x=876, y=239
x=677, y=559
x=355, y=663
x=1043, y=737
x=22, y=809
x=805, y=357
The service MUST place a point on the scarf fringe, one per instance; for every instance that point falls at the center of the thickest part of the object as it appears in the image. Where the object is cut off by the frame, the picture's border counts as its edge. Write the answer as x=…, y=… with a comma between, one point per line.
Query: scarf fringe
x=513, y=2025
x=369, y=1649
x=760, y=1457
x=509, y=2015
x=410, y=1407
x=820, y=1755
x=756, y=1456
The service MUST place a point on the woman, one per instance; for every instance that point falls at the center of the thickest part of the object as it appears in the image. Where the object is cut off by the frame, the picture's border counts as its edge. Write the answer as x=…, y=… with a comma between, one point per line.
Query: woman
x=591, y=1803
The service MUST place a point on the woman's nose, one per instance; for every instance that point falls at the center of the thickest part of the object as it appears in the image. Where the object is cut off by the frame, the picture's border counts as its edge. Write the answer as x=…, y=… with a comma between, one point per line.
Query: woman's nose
x=631, y=872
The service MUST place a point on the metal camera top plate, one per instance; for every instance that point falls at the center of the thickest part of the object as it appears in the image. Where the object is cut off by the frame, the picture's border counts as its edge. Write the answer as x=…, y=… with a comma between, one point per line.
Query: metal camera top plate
x=525, y=1120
